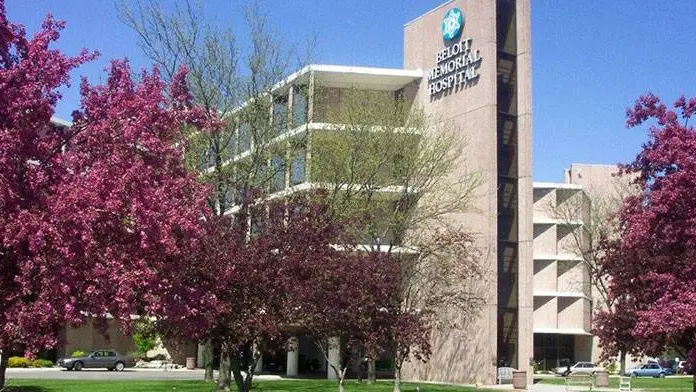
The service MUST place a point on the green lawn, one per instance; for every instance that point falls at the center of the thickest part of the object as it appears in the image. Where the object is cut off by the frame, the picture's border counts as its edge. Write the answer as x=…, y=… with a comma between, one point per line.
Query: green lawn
x=16, y=385
x=648, y=384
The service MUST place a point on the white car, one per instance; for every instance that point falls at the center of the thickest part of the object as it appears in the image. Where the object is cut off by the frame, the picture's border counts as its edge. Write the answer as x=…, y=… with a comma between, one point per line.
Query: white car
x=580, y=367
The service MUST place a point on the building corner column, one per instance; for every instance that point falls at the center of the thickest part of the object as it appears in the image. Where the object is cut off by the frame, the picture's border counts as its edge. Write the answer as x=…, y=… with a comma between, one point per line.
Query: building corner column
x=291, y=369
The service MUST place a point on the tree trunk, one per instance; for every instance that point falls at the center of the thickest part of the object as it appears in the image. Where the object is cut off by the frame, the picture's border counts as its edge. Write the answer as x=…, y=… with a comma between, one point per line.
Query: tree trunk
x=622, y=363
x=397, y=379
x=224, y=378
x=371, y=371
x=247, y=381
x=243, y=384
x=359, y=362
x=341, y=375
x=208, y=361
x=3, y=368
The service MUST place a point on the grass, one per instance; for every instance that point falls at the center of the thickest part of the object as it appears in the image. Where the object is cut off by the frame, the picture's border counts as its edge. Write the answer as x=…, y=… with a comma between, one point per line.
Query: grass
x=671, y=384
x=17, y=385
x=647, y=384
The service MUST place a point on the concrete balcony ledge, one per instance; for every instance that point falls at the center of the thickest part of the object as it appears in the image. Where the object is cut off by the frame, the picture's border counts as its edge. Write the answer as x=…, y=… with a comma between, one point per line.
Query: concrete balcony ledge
x=541, y=220
x=557, y=257
x=561, y=294
x=555, y=185
x=563, y=331
x=568, y=257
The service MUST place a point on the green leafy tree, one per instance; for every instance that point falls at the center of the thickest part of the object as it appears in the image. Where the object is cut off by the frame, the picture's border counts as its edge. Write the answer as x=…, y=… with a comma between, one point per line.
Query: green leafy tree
x=399, y=175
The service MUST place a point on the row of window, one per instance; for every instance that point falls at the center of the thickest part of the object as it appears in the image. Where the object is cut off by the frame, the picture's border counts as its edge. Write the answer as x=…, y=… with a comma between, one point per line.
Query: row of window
x=297, y=170
x=240, y=140
x=300, y=109
x=272, y=177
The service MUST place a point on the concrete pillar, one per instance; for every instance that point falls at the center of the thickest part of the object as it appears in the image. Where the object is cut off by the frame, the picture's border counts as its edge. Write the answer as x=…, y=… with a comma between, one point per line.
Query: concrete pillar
x=259, y=363
x=293, y=357
x=334, y=358
x=199, y=356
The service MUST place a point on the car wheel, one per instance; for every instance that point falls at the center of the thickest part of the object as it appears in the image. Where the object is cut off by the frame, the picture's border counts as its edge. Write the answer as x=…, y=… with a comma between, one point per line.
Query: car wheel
x=78, y=366
x=634, y=374
x=661, y=375
x=120, y=366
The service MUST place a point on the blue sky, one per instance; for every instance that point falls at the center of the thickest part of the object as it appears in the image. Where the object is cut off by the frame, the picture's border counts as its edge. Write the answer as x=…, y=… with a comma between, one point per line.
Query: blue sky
x=591, y=58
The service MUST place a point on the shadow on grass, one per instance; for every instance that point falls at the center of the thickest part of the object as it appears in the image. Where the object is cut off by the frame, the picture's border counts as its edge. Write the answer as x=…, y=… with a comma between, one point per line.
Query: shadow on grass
x=23, y=389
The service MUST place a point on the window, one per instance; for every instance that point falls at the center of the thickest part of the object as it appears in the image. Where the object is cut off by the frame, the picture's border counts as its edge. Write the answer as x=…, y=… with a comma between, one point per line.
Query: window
x=261, y=174
x=230, y=198
x=399, y=168
x=280, y=113
x=256, y=223
x=297, y=175
x=229, y=144
x=244, y=137
x=299, y=106
x=278, y=168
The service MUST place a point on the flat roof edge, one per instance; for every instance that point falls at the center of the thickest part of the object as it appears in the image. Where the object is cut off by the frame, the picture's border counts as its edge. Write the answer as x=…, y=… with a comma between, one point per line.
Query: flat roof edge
x=595, y=164
x=330, y=68
x=429, y=12
x=59, y=121
x=562, y=331
x=561, y=185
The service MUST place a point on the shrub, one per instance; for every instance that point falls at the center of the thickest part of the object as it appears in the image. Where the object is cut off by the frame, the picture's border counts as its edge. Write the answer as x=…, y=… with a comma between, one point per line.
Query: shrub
x=78, y=353
x=18, y=362
x=144, y=336
x=39, y=363
x=611, y=366
x=536, y=366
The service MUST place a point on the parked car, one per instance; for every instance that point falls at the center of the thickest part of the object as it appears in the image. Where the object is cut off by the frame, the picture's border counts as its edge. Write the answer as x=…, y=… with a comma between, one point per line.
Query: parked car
x=580, y=367
x=109, y=359
x=651, y=369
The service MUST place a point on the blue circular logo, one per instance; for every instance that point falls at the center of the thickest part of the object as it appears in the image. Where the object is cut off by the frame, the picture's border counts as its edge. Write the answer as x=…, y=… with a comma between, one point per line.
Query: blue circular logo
x=452, y=24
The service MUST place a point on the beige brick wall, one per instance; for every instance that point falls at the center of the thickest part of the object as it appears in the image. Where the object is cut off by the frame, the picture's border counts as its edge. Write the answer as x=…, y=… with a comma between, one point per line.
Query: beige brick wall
x=87, y=338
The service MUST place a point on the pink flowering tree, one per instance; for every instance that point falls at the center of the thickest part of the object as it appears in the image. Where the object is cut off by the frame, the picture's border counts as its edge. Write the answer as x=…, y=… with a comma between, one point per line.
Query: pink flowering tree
x=614, y=324
x=345, y=299
x=657, y=271
x=98, y=220
x=266, y=258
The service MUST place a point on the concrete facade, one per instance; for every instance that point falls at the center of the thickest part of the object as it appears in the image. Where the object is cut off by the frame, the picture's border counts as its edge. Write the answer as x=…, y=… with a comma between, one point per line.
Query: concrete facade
x=495, y=113
x=562, y=292
x=88, y=338
x=564, y=297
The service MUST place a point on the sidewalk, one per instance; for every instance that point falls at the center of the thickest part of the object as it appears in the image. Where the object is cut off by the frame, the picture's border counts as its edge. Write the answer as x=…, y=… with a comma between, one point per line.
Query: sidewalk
x=543, y=388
